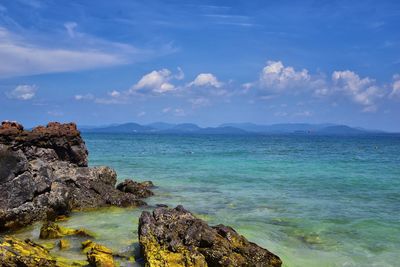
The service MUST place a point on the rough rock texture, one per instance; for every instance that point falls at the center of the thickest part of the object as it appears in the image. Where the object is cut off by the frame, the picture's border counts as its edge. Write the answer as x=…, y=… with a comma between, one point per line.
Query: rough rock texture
x=174, y=237
x=18, y=253
x=14, y=252
x=51, y=230
x=44, y=173
x=141, y=190
x=98, y=255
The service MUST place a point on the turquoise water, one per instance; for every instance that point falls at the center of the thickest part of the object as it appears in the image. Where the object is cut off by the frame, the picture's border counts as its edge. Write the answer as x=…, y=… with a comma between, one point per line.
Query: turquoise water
x=312, y=200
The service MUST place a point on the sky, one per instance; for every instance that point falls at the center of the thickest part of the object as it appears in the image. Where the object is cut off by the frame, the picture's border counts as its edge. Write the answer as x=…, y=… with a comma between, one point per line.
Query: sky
x=206, y=62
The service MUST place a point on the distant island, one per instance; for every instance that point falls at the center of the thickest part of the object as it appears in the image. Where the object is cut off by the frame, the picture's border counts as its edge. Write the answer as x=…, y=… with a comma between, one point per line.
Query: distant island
x=232, y=128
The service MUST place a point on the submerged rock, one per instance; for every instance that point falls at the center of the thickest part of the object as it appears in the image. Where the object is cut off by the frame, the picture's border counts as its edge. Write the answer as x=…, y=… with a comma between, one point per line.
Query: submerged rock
x=174, y=237
x=98, y=255
x=44, y=174
x=52, y=230
x=139, y=189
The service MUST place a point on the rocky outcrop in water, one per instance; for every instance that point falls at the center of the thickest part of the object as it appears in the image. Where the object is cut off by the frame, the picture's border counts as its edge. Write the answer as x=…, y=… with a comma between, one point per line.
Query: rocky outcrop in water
x=44, y=173
x=139, y=189
x=174, y=237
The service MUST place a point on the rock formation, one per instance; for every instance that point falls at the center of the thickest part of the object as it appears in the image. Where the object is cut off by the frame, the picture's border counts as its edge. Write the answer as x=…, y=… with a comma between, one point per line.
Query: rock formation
x=98, y=255
x=139, y=189
x=44, y=173
x=15, y=252
x=174, y=237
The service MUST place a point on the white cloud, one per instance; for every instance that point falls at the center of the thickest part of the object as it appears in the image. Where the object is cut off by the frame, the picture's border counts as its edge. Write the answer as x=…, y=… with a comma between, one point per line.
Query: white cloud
x=276, y=77
x=206, y=79
x=363, y=91
x=395, y=86
x=70, y=27
x=84, y=97
x=24, y=55
x=157, y=81
x=114, y=93
x=23, y=92
x=114, y=97
x=180, y=75
x=178, y=112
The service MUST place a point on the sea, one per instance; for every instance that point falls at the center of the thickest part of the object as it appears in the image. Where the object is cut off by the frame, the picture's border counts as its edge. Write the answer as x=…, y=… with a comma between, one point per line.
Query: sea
x=312, y=200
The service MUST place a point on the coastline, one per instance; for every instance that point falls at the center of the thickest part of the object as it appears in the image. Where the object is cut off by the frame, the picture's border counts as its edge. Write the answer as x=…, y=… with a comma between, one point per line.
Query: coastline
x=45, y=175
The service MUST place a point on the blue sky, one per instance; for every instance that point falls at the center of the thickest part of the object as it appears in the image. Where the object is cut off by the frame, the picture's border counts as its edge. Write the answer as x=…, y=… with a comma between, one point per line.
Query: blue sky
x=207, y=62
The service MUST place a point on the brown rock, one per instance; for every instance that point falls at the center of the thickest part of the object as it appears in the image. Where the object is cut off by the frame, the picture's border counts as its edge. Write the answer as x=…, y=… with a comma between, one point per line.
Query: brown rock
x=174, y=237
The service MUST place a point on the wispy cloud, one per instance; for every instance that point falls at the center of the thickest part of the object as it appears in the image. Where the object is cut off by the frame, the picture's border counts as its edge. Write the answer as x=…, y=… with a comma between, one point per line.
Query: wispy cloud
x=22, y=56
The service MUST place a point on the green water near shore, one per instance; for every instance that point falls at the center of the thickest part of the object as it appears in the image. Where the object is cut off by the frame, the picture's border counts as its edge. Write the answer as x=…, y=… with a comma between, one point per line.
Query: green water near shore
x=312, y=200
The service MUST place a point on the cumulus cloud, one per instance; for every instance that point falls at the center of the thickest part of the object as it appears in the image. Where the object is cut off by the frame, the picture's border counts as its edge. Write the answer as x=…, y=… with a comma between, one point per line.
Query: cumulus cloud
x=23, y=92
x=157, y=81
x=275, y=76
x=395, y=86
x=364, y=91
x=206, y=79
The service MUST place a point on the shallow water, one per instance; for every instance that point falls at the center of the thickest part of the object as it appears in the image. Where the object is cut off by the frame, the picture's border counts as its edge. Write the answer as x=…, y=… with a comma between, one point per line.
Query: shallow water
x=312, y=200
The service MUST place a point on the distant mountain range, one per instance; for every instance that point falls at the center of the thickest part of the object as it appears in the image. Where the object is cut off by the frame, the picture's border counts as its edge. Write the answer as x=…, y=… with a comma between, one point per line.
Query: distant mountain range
x=231, y=128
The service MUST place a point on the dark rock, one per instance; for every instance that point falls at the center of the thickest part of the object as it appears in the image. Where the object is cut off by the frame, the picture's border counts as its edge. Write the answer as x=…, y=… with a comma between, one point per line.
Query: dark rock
x=139, y=189
x=44, y=174
x=174, y=237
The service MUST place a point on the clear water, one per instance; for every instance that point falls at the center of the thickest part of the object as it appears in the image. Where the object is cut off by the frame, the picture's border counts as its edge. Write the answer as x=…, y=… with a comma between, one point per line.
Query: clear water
x=312, y=200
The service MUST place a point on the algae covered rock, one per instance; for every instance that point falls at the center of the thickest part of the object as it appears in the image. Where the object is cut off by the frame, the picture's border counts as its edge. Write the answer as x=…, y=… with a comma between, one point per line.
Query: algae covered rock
x=64, y=244
x=15, y=252
x=174, y=237
x=98, y=255
x=51, y=230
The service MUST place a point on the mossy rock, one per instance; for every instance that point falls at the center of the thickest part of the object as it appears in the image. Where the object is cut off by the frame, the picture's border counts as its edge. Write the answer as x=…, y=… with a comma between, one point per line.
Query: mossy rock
x=98, y=255
x=64, y=244
x=16, y=252
x=51, y=230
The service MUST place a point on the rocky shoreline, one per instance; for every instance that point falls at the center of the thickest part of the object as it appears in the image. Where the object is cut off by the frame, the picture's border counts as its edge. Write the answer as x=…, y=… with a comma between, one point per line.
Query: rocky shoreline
x=44, y=175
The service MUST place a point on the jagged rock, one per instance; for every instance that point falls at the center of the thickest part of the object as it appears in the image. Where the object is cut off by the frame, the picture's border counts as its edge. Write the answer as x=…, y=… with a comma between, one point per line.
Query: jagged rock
x=139, y=189
x=52, y=230
x=174, y=237
x=44, y=174
x=15, y=253
x=98, y=255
